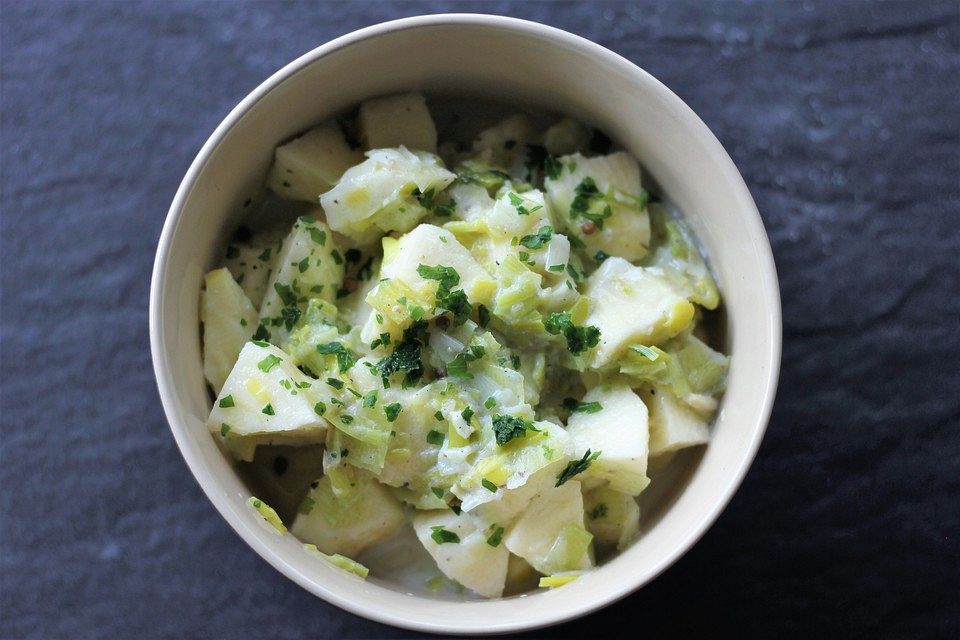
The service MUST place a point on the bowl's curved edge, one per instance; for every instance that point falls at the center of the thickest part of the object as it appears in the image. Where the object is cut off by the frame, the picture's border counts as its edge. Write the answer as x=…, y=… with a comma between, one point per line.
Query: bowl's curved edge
x=157, y=345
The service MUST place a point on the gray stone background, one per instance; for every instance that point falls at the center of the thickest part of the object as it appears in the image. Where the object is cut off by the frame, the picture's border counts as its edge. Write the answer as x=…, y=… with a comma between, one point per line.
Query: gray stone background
x=844, y=118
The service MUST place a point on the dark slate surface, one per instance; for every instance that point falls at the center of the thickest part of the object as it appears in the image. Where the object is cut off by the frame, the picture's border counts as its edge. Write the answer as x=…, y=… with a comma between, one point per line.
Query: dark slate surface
x=843, y=118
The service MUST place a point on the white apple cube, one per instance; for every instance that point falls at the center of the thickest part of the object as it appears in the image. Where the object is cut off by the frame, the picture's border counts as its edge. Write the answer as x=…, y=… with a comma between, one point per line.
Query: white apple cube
x=633, y=305
x=349, y=522
x=615, y=193
x=550, y=534
x=265, y=400
x=229, y=320
x=380, y=194
x=612, y=517
x=311, y=164
x=309, y=265
x=617, y=426
x=466, y=549
x=396, y=120
x=673, y=425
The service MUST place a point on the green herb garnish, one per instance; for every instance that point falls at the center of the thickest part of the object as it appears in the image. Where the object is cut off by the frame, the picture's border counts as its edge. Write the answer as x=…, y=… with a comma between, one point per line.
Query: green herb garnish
x=392, y=411
x=442, y=536
x=575, y=467
x=579, y=338
x=520, y=204
x=268, y=363
x=506, y=428
x=345, y=357
x=538, y=240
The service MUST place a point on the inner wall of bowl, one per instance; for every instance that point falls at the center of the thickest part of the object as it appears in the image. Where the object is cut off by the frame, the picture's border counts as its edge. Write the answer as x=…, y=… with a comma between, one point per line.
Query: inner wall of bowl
x=523, y=67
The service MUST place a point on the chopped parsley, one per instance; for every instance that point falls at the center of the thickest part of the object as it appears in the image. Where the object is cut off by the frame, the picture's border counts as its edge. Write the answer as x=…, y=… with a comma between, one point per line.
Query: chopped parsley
x=496, y=537
x=589, y=203
x=490, y=402
x=392, y=411
x=437, y=491
x=466, y=414
x=489, y=486
x=224, y=429
x=438, y=416
x=575, y=467
x=598, y=512
x=382, y=341
x=446, y=209
x=318, y=235
x=226, y=402
x=261, y=334
x=538, y=240
x=483, y=316
x=579, y=338
x=320, y=408
x=520, y=204
x=268, y=410
x=459, y=367
x=435, y=437
x=506, y=428
x=306, y=506
x=442, y=536
x=345, y=357
x=552, y=167
x=405, y=357
x=582, y=407
x=454, y=301
x=370, y=399
x=600, y=256
x=268, y=363
x=335, y=383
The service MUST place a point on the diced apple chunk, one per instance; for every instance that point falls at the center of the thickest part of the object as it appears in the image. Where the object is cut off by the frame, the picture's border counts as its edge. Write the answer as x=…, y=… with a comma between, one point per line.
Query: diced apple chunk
x=565, y=137
x=612, y=517
x=633, y=305
x=265, y=400
x=402, y=119
x=619, y=430
x=673, y=426
x=381, y=193
x=608, y=189
x=350, y=522
x=229, y=320
x=549, y=534
x=310, y=265
x=506, y=142
x=477, y=559
x=311, y=164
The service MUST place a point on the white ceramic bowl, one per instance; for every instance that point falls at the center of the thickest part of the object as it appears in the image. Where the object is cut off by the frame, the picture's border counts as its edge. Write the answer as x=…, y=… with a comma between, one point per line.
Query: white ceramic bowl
x=513, y=61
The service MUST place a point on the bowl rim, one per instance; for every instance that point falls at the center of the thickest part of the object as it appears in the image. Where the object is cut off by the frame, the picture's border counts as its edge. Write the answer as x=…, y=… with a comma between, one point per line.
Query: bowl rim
x=528, y=28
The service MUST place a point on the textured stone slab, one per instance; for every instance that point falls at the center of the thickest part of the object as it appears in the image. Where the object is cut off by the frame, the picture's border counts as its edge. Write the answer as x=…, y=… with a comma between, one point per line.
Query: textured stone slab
x=842, y=116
